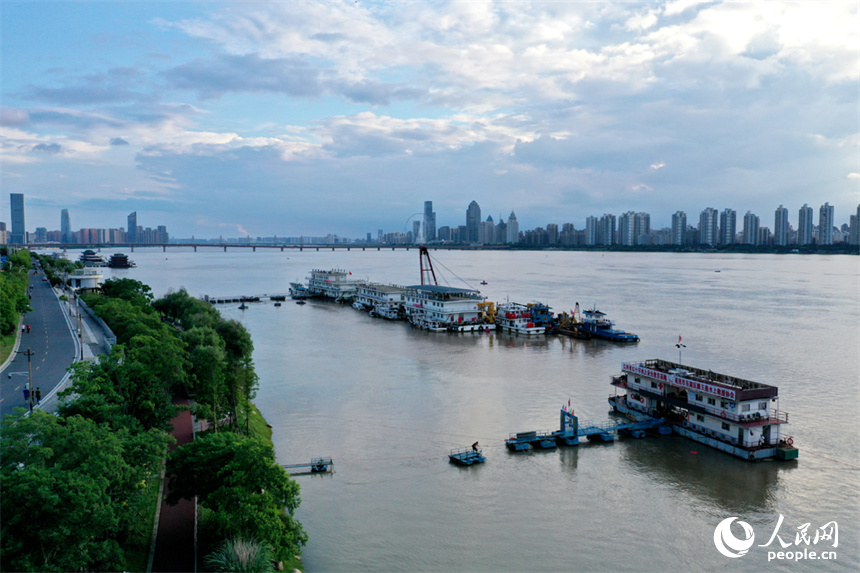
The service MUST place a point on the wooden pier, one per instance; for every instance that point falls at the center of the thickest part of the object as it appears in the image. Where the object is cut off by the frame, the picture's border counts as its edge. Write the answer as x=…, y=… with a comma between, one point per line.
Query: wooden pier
x=316, y=465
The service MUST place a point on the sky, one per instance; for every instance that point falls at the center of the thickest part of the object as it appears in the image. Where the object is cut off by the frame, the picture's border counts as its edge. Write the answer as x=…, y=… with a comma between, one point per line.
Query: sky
x=313, y=117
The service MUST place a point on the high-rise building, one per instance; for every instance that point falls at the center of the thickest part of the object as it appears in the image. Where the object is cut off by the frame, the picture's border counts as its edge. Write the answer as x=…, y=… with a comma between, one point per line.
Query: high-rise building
x=3, y=238
x=417, y=236
x=132, y=228
x=19, y=227
x=780, y=227
x=65, y=227
x=513, y=229
x=606, y=230
x=591, y=227
x=804, y=225
x=728, y=226
x=825, y=224
x=429, y=222
x=751, y=225
x=552, y=233
x=853, y=228
x=679, y=227
x=473, y=223
x=708, y=229
x=488, y=232
x=626, y=229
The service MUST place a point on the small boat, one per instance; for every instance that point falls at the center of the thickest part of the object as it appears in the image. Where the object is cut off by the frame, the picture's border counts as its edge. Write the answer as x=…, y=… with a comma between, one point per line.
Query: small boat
x=243, y=306
x=598, y=325
x=483, y=282
x=467, y=456
x=300, y=302
x=277, y=304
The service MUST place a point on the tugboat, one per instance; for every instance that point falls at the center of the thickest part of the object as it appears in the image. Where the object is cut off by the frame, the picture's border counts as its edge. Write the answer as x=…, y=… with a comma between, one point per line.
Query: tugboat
x=299, y=291
x=598, y=325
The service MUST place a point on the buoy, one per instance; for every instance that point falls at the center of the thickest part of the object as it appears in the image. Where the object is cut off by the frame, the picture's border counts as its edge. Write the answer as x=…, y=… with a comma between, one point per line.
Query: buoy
x=695, y=453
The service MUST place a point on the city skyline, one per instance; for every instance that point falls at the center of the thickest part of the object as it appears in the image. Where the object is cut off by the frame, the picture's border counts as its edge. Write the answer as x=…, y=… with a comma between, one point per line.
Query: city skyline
x=248, y=119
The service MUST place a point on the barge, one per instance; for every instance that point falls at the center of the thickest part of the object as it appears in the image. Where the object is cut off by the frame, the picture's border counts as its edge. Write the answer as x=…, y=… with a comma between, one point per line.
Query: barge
x=598, y=325
x=733, y=415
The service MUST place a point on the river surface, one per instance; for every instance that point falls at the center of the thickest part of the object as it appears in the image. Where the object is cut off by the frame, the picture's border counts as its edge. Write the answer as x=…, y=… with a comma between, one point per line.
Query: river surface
x=387, y=402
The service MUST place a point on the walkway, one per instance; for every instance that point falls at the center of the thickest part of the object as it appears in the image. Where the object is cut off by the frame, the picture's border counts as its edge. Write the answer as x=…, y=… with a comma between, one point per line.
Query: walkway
x=175, y=541
x=53, y=345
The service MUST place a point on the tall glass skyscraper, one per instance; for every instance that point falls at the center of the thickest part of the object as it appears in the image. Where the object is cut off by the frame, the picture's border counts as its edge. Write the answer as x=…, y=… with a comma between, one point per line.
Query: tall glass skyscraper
x=429, y=222
x=131, y=233
x=65, y=227
x=19, y=228
x=825, y=224
x=473, y=223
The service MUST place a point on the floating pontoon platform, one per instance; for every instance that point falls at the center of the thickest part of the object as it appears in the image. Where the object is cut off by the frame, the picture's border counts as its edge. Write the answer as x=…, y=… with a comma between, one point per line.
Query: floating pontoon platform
x=466, y=456
x=316, y=465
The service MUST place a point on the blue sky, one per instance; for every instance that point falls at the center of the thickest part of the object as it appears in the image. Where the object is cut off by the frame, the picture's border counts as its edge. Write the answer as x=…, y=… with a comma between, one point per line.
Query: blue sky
x=307, y=118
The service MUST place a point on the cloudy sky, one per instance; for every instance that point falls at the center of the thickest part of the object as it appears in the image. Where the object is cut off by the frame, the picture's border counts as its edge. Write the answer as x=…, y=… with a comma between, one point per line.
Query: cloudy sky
x=307, y=118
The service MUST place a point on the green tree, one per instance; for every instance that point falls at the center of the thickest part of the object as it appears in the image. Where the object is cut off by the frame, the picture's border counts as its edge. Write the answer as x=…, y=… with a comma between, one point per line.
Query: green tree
x=72, y=491
x=131, y=290
x=237, y=477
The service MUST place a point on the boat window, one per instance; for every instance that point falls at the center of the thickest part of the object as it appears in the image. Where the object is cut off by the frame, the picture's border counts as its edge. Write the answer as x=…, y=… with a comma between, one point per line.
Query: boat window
x=725, y=426
x=745, y=408
x=653, y=384
x=637, y=380
x=762, y=405
x=724, y=404
x=698, y=397
x=700, y=418
x=712, y=401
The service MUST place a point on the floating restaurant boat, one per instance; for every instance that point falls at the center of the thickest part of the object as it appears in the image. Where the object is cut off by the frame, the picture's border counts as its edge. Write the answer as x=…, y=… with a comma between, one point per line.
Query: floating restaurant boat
x=91, y=259
x=598, y=325
x=120, y=261
x=518, y=318
x=385, y=301
x=733, y=415
x=442, y=308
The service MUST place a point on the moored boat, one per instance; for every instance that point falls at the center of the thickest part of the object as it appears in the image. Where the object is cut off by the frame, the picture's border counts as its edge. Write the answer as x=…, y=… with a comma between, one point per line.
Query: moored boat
x=598, y=325
x=92, y=259
x=517, y=318
x=120, y=261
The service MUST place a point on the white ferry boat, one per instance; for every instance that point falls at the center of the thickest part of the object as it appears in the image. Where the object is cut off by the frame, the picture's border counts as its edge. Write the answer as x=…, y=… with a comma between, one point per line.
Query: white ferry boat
x=385, y=301
x=336, y=284
x=517, y=318
x=440, y=308
x=736, y=416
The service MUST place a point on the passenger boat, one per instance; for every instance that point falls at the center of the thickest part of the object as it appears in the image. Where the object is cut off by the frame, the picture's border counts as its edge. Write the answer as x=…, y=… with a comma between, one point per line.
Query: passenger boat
x=598, y=325
x=442, y=308
x=517, y=318
x=335, y=284
x=736, y=416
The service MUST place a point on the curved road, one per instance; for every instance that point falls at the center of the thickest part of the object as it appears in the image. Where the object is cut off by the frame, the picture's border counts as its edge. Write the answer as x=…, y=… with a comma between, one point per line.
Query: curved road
x=51, y=341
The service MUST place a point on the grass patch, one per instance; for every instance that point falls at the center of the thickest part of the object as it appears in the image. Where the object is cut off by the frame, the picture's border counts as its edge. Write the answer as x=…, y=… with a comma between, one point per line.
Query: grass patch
x=138, y=548
x=7, y=343
x=259, y=427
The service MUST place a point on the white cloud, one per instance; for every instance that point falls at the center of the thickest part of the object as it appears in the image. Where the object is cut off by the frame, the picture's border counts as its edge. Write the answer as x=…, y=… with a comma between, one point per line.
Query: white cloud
x=854, y=175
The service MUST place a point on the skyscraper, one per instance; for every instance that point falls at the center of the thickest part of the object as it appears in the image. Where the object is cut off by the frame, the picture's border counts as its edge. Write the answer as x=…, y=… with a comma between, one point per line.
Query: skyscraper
x=429, y=222
x=804, y=225
x=627, y=229
x=65, y=227
x=132, y=227
x=513, y=229
x=751, y=225
x=591, y=225
x=780, y=227
x=728, y=226
x=473, y=223
x=679, y=227
x=854, y=228
x=708, y=227
x=488, y=231
x=606, y=230
x=19, y=228
x=825, y=224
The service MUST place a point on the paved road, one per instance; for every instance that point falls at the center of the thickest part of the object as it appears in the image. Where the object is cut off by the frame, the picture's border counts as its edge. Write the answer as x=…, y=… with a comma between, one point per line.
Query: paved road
x=51, y=341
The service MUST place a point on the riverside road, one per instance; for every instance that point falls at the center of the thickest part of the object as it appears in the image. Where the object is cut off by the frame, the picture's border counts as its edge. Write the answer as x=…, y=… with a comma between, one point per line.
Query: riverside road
x=51, y=341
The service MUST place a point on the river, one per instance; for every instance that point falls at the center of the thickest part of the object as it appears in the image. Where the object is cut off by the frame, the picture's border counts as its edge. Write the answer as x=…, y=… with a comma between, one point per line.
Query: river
x=387, y=402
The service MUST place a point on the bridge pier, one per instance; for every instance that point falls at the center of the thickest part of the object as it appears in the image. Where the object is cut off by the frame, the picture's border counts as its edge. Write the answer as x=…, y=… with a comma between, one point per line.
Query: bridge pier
x=225, y=248
x=318, y=249
x=301, y=249
x=332, y=249
x=362, y=248
x=132, y=248
x=282, y=249
x=254, y=249
x=163, y=248
x=195, y=248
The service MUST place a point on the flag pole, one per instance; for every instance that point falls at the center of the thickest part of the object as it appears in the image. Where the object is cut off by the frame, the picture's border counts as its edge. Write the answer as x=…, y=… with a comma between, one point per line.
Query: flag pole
x=679, y=346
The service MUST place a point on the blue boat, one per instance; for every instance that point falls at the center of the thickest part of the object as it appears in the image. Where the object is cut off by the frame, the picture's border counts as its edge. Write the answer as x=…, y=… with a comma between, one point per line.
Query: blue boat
x=466, y=456
x=598, y=325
